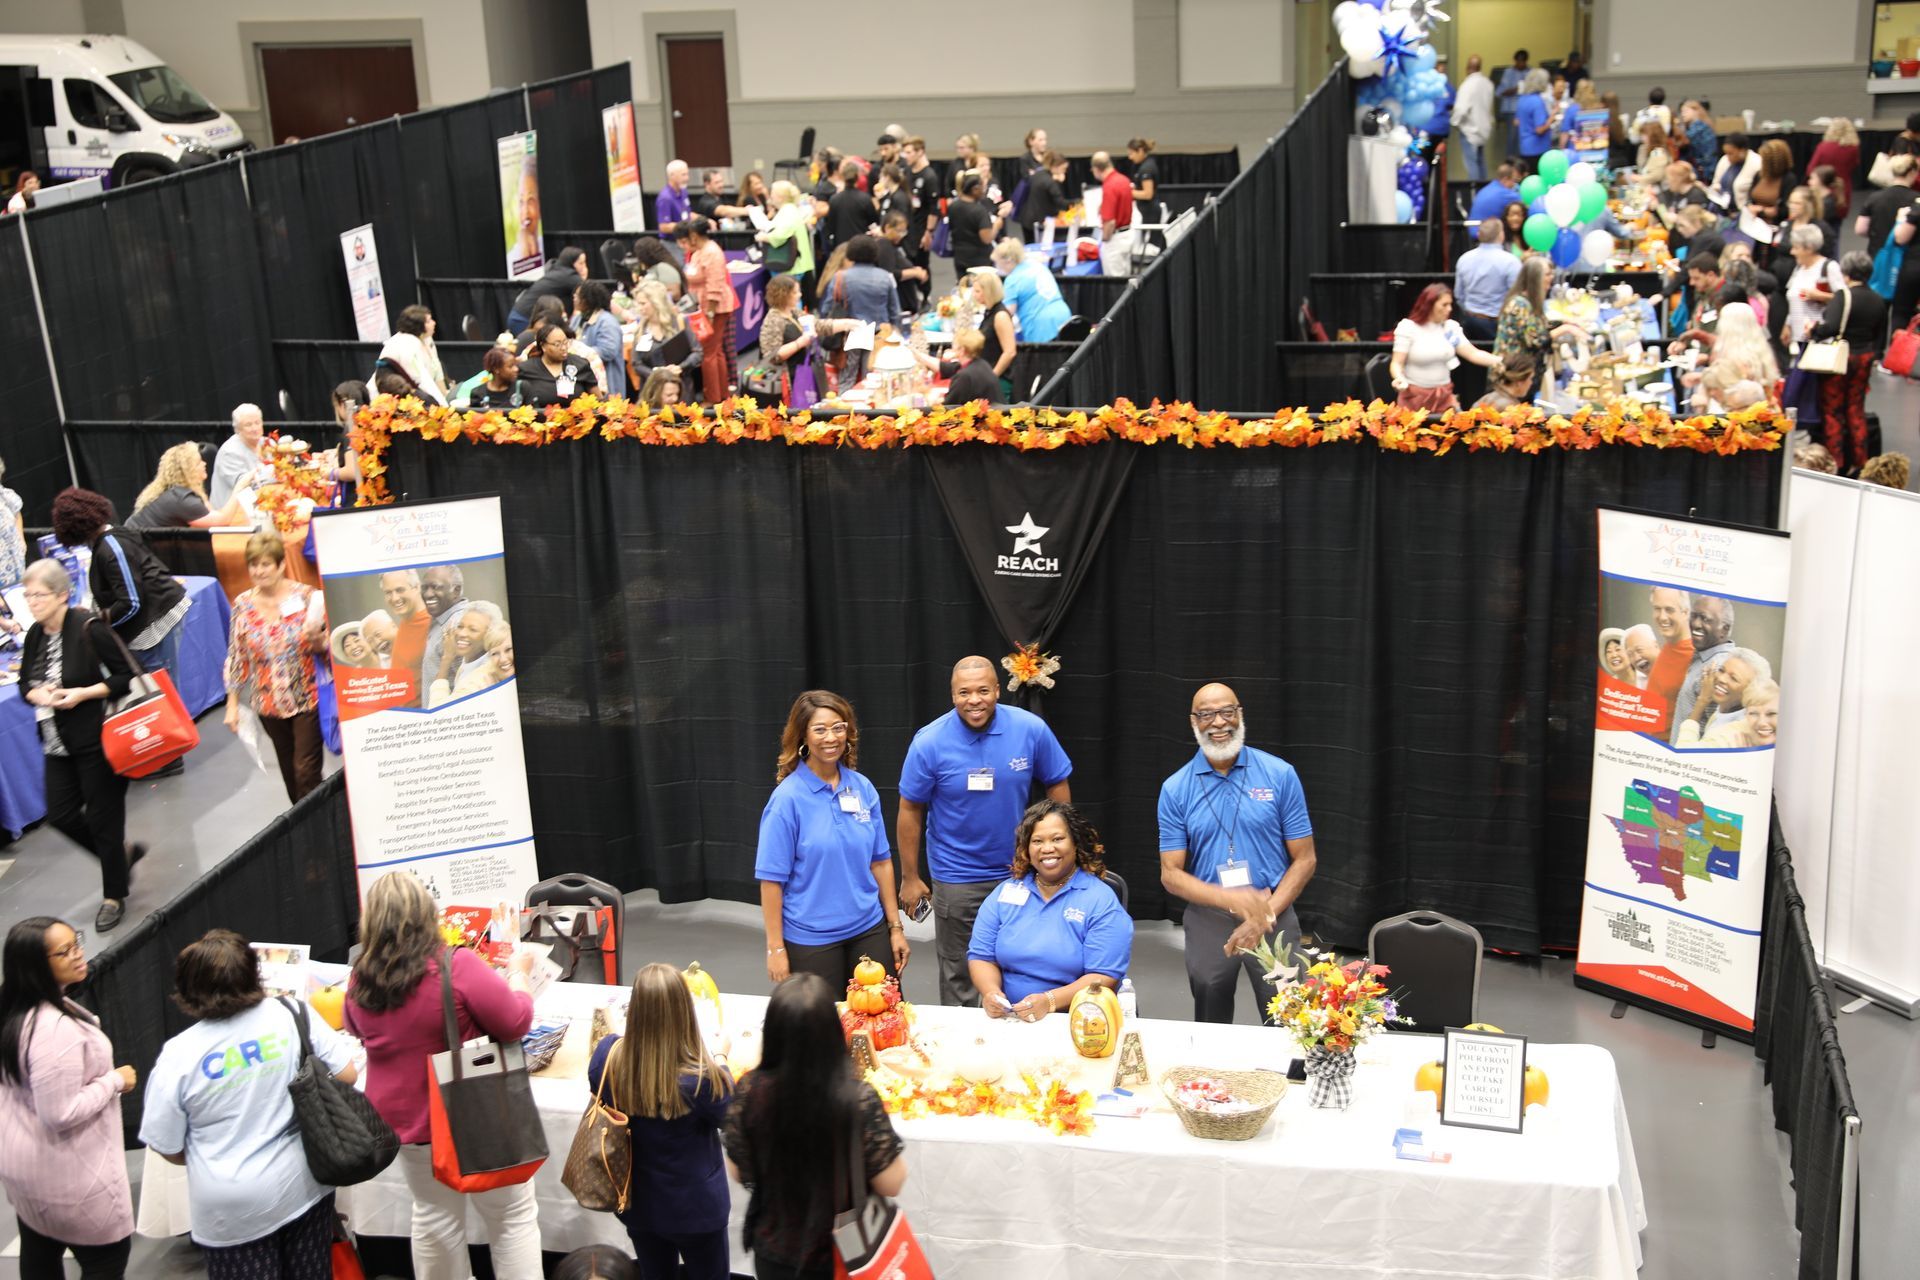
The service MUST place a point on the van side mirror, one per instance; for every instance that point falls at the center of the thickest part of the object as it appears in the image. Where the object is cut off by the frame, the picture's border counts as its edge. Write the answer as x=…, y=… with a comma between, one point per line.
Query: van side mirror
x=120, y=122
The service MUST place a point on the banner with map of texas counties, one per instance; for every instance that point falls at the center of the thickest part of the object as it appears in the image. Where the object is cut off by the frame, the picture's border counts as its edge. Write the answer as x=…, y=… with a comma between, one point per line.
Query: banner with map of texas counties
x=422, y=647
x=1692, y=621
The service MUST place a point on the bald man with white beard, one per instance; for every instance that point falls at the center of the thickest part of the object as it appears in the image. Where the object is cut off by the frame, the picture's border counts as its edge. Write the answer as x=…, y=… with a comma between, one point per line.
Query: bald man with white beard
x=1237, y=846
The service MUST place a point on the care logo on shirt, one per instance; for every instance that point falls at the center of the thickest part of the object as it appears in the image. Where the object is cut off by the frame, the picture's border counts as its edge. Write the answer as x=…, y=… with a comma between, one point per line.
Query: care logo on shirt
x=1073, y=915
x=1020, y=764
x=244, y=1056
x=1262, y=794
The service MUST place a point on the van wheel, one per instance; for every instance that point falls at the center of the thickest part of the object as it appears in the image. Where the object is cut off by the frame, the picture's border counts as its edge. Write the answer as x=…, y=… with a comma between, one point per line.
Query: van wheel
x=140, y=173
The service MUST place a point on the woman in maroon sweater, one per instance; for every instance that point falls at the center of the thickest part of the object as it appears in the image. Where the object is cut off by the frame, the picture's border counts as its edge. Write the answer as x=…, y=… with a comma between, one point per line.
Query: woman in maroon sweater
x=393, y=1005
x=1840, y=147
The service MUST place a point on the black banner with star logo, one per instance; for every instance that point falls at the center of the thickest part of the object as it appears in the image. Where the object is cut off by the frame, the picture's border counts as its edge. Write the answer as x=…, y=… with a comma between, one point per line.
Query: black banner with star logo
x=1029, y=524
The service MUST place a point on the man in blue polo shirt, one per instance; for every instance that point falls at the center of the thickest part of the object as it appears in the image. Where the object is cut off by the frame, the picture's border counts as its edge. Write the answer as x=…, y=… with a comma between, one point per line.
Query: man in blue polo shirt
x=1491, y=201
x=964, y=785
x=1236, y=844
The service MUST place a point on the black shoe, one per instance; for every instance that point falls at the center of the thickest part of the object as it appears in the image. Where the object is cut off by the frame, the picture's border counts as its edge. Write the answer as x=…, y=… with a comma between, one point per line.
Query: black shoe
x=172, y=770
x=108, y=915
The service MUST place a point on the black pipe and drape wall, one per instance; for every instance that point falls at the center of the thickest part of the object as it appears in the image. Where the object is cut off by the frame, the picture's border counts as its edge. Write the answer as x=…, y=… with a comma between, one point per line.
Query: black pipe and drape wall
x=1414, y=633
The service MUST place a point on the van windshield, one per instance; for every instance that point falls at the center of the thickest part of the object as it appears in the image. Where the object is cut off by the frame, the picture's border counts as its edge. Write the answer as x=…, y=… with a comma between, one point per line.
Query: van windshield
x=163, y=95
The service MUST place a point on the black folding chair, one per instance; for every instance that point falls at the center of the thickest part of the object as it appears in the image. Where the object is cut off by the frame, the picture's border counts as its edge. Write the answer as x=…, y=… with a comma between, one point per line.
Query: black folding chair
x=579, y=891
x=1117, y=883
x=1435, y=968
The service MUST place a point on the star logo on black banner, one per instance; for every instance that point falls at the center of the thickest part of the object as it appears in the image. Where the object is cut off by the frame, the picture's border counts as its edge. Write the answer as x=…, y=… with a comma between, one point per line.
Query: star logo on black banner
x=1027, y=535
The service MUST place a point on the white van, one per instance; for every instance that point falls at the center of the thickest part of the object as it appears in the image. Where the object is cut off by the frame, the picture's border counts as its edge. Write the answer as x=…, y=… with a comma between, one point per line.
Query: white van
x=102, y=106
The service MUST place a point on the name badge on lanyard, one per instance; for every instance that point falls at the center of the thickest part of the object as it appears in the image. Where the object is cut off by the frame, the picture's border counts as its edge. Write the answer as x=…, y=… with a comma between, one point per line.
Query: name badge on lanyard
x=292, y=607
x=980, y=779
x=1014, y=895
x=849, y=802
x=1235, y=875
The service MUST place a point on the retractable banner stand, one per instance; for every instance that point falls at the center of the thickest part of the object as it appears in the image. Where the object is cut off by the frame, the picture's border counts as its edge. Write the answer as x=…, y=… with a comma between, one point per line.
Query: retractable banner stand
x=521, y=226
x=1028, y=526
x=1692, y=625
x=429, y=710
x=363, y=283
x=623, y=168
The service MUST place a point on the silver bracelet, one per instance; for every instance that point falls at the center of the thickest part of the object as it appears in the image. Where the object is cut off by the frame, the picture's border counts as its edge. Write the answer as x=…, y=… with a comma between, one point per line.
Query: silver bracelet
x=774, y=951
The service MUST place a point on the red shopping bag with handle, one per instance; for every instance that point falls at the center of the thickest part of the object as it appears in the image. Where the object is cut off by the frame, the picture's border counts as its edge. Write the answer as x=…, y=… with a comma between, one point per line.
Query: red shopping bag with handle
x=149, y=728
x=1903, y=350
x=486, y=1131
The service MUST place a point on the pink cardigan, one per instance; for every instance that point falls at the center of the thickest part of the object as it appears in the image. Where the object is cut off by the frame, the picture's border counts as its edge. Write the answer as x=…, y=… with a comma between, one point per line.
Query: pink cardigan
x=62, y=1157
x=400, y=1041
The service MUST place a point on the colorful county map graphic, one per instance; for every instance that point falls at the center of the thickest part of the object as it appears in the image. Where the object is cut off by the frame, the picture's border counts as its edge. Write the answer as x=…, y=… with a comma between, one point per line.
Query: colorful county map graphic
x=1669, y=836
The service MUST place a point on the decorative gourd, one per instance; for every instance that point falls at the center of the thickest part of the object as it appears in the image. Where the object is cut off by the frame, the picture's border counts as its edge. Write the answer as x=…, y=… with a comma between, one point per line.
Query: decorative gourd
x=1536, y=1087
x=866, y=1000
x=977, y=1063
x=701, y=986
x=869, y=972
x=1431, y=1076
x=1094, y=1017
x=331, y=1004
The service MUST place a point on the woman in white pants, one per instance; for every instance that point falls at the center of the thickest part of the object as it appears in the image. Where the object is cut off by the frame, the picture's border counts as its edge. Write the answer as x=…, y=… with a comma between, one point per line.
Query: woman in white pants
x=394, y=1006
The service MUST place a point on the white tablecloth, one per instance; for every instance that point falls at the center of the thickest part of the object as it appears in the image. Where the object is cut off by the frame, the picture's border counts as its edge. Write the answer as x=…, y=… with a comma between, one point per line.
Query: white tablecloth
x=1317, y=1194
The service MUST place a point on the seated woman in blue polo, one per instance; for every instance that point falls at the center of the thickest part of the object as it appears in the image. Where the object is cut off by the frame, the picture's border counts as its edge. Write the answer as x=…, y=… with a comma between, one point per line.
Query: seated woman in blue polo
x=1055, y=927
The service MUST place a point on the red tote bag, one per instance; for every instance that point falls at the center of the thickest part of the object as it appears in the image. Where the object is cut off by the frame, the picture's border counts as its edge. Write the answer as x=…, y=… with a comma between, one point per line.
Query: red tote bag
x=872, y=1241
x=485, y=1128
x=149, y=728
x=1904, y=350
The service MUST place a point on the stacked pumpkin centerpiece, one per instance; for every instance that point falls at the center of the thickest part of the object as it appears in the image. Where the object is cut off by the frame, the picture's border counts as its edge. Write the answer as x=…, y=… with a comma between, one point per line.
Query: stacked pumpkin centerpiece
x=873, y=1005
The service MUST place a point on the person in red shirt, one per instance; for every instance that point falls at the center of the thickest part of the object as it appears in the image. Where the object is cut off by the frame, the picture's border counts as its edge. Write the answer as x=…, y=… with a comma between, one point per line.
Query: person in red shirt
x=1676, y=652
x=411, y=622
x=1116, y=217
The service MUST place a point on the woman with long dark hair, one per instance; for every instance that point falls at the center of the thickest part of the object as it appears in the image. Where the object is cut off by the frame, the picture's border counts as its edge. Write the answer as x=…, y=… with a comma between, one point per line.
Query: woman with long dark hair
x=394, y=1006
x=824, y=865
x=62, y=1158
x=793, y=1129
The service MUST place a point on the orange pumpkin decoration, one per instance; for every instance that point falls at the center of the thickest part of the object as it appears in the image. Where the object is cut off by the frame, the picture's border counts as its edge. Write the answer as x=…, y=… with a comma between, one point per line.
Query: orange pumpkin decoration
x=1536, y=1087
x=1430, y=1077
x=869, y=972
x=867, y=1000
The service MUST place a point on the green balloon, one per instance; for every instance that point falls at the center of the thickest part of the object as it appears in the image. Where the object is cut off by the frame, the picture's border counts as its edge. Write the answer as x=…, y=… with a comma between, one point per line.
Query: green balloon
x=1532, y=188
x=1539, y=232
x=1593, y=201
x=1553, y=167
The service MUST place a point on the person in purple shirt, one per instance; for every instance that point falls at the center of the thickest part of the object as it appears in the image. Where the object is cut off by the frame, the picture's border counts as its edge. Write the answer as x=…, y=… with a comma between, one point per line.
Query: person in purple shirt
x=673, y=206
x=675, y=1096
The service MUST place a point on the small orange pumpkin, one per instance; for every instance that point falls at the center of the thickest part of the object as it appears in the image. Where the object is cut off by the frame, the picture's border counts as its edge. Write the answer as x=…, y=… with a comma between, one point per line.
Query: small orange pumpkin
x=867, y=1000
x=869, y=973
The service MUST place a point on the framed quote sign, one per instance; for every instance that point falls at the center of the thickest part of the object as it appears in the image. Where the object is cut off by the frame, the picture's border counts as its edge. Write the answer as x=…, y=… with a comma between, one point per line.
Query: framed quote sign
x=1485, y=1082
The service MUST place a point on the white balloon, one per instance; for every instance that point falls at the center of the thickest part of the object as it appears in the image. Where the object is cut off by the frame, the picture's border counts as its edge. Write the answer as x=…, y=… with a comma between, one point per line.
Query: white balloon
x=1362, y=42
x=1597, y=247
x=1343, y=13
x=1581, y=174
x=1563, y=204
x=1400, y=137
x=1365, y=68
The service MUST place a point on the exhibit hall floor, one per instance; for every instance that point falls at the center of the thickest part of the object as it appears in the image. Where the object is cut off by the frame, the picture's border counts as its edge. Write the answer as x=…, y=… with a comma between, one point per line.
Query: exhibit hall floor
x=1713, y=1167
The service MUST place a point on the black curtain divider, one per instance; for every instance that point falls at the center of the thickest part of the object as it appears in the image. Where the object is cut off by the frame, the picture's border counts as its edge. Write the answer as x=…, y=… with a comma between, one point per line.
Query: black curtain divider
x=1317, y=374
x=1091, y=297
x=1170, y=338
x=154, y=298
x=1794, y=1034
x=1414, y=633
x=453, y=187
x=573, y=157
x=488, y=301
x=293, y=881
x=30, y=440
x=119, y=459
x=310, y=368
x=304, y=198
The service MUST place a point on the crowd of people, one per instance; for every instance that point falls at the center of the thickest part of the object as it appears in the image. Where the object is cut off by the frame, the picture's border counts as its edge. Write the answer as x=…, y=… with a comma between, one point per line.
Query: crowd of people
x=1026, y=916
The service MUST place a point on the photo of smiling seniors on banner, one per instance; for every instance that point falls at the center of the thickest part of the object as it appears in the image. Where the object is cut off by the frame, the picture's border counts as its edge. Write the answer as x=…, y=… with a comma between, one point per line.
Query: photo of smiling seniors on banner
x=1686, y=717
x=429, y=712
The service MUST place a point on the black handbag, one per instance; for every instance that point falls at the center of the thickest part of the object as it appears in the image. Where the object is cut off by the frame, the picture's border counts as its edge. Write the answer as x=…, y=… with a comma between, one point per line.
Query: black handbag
x=346, y=1140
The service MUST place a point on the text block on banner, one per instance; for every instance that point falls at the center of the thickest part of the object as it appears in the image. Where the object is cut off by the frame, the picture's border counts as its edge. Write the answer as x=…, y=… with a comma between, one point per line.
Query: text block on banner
x=429, y=711
x=1686, y=714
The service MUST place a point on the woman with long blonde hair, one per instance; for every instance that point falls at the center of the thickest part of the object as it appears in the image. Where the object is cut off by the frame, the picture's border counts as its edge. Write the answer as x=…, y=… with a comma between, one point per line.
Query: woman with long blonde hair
x=1741, y=353
x=675, y=1095
x=177, y=496
x=657, y=343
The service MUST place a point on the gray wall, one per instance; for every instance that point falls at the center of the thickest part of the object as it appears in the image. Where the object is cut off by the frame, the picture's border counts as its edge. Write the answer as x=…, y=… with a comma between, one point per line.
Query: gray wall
x=527, y=42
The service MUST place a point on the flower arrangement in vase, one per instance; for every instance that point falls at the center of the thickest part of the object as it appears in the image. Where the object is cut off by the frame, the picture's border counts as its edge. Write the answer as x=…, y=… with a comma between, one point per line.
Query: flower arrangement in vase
x=1329, y=1008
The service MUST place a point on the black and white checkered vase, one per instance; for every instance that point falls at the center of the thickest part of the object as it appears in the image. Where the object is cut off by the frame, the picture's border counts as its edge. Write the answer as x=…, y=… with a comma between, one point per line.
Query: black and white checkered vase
x=1331, y=1073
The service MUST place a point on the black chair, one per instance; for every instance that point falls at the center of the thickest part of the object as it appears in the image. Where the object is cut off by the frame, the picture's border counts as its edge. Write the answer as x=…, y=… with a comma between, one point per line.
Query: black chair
x=575, y=890
x=1075, y=329
x=1435, y=968
x=1375, y=381
x=475, y=331
x=613, y=257
x=1117, y=883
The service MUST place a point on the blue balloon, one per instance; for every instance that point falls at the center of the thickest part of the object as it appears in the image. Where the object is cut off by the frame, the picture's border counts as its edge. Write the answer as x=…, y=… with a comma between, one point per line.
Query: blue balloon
x=1374, y=4
x=1566, y=247
x=1432, y=82
x=1538, y=206
x=1424, y=57
x=1417, y=113
x=1402, y=207
x=1371, y=91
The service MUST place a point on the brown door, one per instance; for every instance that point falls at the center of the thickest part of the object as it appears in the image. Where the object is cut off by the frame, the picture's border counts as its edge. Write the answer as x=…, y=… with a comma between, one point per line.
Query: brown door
x=697, y=100
x=313, y=89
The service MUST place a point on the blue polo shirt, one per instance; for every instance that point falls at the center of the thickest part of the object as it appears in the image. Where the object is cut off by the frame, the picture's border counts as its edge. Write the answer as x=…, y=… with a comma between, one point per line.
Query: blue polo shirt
x=970, y=833
x=1529, y=113
x=1492, y=200
x=1042, y=943
x=1258, y=801
x=823, y=855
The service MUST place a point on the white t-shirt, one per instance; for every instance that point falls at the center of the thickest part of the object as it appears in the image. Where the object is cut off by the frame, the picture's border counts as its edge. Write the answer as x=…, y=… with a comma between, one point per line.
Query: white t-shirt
x=219, y=1091
x=1803, y=315
x=1426, y=351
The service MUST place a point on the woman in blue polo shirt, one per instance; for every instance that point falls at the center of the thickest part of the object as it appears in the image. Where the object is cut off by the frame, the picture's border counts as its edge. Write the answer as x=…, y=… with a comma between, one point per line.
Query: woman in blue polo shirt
x=1533, y=118
x=1055, y=927
x=824, y=865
